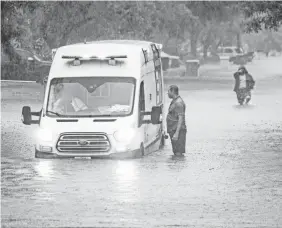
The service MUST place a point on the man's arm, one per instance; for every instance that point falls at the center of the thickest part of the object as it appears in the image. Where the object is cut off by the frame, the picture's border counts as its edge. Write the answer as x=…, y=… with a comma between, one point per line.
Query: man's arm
x=180, y=122
x=58, y=106
x=179, y=109
x=251, y=81
x=236, y=82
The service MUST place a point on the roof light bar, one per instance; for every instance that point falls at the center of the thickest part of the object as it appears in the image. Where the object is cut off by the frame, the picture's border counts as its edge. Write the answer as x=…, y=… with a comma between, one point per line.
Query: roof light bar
x=94, y=57
x=78, y=57
x=76, y=62
x=112, y=62
x=117, y=57
x=71, y=57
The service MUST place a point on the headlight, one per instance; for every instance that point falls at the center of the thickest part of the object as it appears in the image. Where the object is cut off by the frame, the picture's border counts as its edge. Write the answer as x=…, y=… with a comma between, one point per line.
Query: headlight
x=44, y=135
x=124, y=135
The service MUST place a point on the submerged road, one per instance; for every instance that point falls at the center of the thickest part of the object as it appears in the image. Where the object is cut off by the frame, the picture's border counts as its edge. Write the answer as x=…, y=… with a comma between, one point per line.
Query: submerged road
x=229, y=177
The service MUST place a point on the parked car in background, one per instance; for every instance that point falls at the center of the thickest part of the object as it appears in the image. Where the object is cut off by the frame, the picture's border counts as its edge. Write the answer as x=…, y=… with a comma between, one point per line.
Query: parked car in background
x=225, y=53
x=172, y=65
x=30, y=57
x=211, y=58
x=242, y=59
x=30, y=67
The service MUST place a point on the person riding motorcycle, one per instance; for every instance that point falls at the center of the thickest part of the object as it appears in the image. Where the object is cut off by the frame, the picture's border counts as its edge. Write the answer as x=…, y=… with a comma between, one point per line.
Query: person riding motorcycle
x=244, y=83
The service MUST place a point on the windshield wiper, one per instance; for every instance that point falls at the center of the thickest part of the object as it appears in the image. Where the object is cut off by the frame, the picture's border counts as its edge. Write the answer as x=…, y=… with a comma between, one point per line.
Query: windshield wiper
x=113, y=114
x=55, y=113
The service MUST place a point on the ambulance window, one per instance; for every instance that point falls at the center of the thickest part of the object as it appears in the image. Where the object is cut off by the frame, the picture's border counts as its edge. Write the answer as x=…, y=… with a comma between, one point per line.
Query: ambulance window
x=155, y=51
x=141, y=102
x=159, y=94
x=102, y=91
x=142, y=97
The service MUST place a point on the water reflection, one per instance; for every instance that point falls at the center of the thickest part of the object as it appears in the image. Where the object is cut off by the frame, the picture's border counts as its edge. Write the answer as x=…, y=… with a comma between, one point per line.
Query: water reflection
x=126, y=171
x=126, y=181
x=45, y=169
x=177, y=162
x=178, y=157
x=249, y=106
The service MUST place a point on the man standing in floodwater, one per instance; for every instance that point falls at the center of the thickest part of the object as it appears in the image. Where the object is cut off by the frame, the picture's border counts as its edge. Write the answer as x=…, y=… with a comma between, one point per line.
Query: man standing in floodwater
x=176, y=125
x=244, y=83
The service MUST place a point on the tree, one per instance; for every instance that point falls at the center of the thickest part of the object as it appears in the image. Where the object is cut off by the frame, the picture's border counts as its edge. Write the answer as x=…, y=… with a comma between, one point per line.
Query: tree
x=61, y=18
x=264, y=40
x=262, y=15
x=212, y=22
x=13, y=24
x=64, y=22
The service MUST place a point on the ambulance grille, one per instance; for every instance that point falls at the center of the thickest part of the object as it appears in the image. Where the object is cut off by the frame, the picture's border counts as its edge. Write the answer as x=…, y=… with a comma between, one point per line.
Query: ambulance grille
x=83, y=143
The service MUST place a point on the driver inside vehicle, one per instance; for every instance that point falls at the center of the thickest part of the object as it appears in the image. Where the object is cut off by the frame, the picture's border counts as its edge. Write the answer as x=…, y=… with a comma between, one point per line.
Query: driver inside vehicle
x=63, y=103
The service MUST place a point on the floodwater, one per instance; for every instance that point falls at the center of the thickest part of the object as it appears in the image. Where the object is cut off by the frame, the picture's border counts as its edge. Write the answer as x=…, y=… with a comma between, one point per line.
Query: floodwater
x=230, y=175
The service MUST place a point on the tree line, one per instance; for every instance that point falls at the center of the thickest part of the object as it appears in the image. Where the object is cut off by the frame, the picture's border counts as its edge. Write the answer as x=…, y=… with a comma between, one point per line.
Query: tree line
x=179, y=26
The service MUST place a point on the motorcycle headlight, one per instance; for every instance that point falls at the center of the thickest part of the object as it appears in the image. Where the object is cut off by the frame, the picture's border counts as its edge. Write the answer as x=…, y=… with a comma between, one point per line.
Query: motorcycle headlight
x=44, y=135
x=124, y=135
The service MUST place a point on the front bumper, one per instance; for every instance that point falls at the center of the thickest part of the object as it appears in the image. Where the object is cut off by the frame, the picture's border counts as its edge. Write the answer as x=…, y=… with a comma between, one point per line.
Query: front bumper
x=117, y=150
x=118, y=155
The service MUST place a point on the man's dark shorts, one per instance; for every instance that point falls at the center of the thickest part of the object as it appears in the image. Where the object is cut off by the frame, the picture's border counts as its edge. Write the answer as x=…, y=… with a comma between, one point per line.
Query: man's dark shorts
x=178, y=146
x=242, y=93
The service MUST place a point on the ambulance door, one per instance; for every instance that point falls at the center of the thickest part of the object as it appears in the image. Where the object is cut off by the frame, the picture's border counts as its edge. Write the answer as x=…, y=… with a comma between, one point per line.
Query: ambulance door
x=141, y=117
x=150, y=130
x=158, y=86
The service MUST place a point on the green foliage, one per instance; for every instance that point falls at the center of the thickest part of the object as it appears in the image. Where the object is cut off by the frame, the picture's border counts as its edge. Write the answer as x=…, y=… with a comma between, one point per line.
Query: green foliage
x=262, y=15
x=209, y=23
x=12, y=14
x=14, y=24
x=264, y=40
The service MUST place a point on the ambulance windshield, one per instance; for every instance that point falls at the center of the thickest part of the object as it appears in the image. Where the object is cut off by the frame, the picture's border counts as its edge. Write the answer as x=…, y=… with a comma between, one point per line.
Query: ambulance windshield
x=91, y=96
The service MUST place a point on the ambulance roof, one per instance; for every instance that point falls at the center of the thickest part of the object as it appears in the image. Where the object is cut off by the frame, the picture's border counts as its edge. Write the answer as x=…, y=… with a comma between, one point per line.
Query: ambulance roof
x=143, y=43
x=130, y=48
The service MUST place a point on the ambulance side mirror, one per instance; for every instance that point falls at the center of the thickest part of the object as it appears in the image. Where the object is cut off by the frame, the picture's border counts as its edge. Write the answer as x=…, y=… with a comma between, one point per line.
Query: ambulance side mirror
x=27, y=116
x=156, y=115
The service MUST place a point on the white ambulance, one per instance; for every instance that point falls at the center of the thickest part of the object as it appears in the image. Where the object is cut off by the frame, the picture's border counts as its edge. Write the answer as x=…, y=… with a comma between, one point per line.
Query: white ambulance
x=102, y=99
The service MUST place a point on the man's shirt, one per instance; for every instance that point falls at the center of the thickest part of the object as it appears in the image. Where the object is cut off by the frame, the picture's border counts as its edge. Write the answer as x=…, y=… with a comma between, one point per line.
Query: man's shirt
x=242, y=81
x=177, y=108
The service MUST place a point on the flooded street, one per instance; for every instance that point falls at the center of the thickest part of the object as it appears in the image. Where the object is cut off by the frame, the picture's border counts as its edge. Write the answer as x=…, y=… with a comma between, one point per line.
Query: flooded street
x=230, y=175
